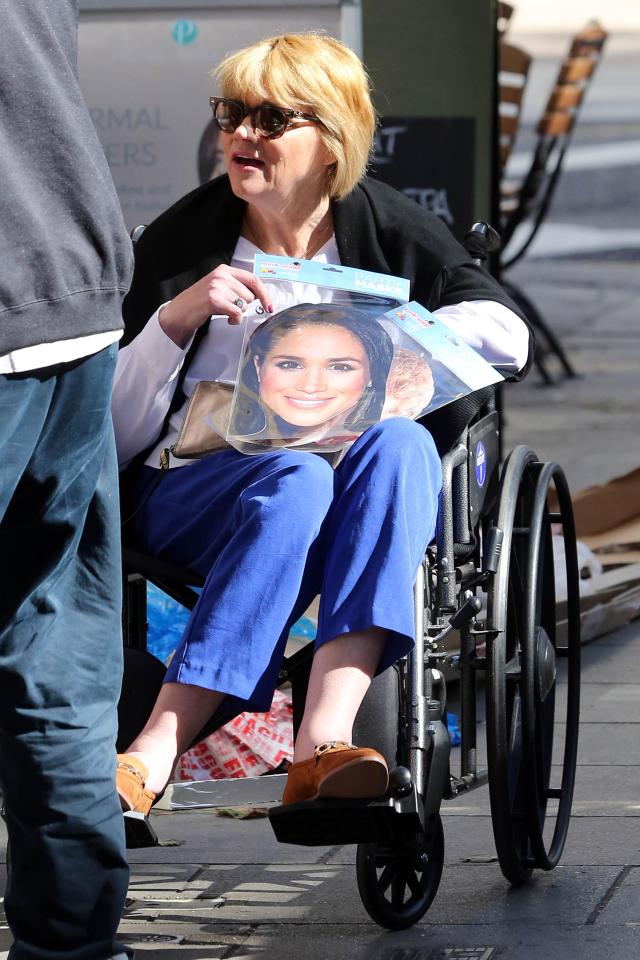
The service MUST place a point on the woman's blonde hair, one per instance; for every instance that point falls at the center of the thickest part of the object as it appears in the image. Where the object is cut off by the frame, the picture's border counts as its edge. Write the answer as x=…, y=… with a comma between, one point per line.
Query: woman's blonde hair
x=316, y=74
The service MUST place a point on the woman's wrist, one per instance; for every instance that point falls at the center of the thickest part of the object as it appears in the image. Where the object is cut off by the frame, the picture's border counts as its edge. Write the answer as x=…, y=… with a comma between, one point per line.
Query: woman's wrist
x=174, y=328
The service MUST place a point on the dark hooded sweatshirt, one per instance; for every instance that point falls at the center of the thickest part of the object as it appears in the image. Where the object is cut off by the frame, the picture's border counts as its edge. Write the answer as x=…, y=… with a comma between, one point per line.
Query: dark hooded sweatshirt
x=65, y=256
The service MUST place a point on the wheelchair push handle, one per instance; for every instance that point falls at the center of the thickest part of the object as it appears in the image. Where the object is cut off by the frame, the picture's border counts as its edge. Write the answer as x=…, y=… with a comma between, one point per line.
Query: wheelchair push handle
x=481, y=241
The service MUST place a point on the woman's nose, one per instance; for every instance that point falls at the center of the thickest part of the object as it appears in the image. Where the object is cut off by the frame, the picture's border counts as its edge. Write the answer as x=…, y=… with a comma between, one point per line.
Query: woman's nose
x=245, y=131
x=313, y=379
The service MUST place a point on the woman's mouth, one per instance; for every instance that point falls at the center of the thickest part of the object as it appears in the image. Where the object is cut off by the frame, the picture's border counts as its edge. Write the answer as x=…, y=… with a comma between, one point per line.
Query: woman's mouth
x=308, y=404
x=242, y=161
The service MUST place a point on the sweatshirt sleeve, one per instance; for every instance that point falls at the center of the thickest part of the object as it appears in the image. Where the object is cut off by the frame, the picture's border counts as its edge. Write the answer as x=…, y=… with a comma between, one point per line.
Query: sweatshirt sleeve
x=492, y=329
x=144, y=385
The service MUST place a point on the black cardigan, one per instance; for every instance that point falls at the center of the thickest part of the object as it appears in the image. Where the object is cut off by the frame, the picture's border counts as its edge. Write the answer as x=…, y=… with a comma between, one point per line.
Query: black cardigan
x=376, y=228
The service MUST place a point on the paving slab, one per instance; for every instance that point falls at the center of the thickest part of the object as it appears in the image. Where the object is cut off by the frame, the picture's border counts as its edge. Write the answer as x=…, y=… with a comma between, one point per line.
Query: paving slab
x=612, y=663
x=592, y=841
x=468, y=891
x=428, y=942
x=601, y=744
x=611, y=703
x=623, y=907
x=517, y=923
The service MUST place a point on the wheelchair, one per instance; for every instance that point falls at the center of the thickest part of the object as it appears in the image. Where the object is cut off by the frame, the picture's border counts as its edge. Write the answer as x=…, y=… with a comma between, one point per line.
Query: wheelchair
x=490, y=576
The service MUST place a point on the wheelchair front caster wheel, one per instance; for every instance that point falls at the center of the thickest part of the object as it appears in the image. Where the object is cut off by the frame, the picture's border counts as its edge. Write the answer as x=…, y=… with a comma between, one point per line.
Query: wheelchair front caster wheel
x=397, y=885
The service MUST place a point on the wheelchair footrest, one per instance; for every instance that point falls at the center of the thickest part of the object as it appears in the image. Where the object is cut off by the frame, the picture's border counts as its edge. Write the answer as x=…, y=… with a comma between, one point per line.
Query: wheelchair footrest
x=319, y=823
x=138, y=831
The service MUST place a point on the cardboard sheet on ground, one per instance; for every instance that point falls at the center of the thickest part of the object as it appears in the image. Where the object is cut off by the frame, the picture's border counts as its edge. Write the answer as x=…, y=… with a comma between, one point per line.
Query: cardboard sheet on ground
x=608, y=524
x=608, y=519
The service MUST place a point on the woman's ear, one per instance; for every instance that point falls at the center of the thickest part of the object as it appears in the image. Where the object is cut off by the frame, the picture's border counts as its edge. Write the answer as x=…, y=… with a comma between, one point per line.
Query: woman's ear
x=256, y=364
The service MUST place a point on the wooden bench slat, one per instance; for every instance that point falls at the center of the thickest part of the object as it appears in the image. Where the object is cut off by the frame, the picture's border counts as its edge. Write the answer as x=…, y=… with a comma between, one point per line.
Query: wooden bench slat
x=576, y=68
x=556, y=124
x=509, y=94
x=508, y=125
x=513, y=59
x=565, y=97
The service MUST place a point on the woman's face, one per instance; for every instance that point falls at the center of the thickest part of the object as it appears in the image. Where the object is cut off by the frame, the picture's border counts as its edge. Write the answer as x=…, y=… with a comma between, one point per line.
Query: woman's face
x=313, y=374
x=274, y=173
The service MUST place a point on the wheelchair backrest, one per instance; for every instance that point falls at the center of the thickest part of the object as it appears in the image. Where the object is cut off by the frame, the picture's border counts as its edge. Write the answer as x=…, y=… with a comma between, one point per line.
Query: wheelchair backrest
x=469, y=490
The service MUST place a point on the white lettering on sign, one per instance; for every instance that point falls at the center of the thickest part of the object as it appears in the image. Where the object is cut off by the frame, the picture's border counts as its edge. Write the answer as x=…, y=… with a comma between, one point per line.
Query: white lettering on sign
x=132, y=119
x=432, y=199
x=384, y=144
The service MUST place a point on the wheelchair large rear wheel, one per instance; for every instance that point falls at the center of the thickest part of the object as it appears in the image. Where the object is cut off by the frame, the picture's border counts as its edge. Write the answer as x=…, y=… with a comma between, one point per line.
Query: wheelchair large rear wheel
x=531, y=796
x=397, y=885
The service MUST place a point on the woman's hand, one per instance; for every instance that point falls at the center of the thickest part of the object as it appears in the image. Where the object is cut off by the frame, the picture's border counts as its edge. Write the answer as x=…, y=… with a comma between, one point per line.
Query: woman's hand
x=219, y=293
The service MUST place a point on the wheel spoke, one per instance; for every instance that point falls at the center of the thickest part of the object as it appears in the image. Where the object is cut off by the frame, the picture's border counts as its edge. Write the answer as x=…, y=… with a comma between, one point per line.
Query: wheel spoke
x=513, y=670
x=387, y=876
x=385, y=858
x=515, y=745
x=398, y=887
x=414, y=883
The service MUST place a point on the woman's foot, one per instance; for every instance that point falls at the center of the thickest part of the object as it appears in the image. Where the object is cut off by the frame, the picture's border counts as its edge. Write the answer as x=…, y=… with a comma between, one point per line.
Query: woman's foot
x=337, y=770
x=131, y=779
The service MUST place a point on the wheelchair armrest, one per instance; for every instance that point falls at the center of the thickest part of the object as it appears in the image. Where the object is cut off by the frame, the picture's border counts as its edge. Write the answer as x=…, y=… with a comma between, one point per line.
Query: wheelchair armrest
x=162, y=571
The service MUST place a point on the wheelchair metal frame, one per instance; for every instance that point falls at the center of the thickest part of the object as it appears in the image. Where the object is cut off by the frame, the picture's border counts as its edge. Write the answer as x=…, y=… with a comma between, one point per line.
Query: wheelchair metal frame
x=403, y=832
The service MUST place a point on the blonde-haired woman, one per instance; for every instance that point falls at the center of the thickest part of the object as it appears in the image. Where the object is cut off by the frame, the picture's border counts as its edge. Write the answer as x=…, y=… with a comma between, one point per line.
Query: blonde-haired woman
x=272, y=531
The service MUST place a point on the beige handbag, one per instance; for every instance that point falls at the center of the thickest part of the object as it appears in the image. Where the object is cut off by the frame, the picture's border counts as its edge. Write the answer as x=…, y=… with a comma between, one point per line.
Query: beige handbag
x=206, y=421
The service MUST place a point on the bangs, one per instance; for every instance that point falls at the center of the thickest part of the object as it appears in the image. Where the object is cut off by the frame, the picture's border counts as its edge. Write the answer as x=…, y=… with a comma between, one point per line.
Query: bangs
x=264, y=72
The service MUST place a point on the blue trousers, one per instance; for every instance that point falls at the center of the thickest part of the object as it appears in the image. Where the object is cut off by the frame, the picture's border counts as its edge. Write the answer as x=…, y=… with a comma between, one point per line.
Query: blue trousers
x=61, y=662
x=272, y=531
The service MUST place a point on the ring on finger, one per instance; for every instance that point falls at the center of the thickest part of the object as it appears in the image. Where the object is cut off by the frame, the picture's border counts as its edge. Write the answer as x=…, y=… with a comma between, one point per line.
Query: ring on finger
x=239, y=303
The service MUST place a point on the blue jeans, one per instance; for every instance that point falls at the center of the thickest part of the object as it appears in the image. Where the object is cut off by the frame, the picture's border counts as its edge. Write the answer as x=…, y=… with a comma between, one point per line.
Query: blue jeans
x=270, y=532
x=61, y=661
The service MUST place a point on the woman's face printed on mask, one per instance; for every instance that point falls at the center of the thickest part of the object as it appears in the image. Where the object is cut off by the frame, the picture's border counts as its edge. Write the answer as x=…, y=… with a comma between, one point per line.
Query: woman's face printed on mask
x=313, y=374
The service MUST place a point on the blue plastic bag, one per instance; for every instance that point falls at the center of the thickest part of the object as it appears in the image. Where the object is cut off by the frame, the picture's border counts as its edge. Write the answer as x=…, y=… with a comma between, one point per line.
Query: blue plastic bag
x=453, y=726
x=166, y=620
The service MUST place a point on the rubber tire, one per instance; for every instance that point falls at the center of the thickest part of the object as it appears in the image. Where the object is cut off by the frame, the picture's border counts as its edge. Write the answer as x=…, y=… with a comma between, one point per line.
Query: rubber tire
x=373, y=886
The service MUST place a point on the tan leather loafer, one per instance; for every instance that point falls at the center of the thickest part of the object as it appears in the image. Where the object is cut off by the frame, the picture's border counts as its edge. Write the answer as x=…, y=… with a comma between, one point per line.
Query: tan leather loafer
x=131, y=776
x=340, y=771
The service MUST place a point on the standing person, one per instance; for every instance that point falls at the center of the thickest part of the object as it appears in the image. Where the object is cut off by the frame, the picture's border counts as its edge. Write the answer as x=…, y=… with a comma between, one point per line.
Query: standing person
x=272, y=531
x=65, y=265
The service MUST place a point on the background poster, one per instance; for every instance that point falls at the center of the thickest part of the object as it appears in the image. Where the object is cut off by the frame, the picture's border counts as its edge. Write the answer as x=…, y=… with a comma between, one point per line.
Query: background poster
x=431, y=160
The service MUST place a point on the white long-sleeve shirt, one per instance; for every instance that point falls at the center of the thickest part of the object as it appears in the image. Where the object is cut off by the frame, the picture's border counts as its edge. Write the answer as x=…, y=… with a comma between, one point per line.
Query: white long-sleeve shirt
x=148, y=367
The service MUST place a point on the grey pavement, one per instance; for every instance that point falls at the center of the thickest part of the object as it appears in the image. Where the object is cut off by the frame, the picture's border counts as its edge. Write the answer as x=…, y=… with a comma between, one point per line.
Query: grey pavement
x=220, y=888
x=588, y=424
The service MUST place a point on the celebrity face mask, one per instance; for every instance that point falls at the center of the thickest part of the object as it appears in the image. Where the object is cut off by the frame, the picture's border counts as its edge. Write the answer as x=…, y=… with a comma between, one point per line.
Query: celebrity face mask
x=313, y=374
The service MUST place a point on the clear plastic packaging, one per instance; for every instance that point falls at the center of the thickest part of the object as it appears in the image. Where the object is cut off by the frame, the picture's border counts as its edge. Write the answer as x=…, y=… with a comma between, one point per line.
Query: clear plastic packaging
x=314, y=376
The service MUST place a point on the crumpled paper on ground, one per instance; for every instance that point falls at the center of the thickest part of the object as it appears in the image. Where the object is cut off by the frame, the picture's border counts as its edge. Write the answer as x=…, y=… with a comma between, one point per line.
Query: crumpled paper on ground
x=250, y=745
